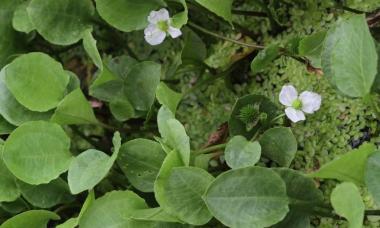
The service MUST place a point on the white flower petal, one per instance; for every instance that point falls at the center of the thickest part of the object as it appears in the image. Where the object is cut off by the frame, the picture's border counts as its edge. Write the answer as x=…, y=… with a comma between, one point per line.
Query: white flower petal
x=294, y=115
x=174, y=32
x=154, y=35
x=287, y=95
x=156, y=16
x=311, y=102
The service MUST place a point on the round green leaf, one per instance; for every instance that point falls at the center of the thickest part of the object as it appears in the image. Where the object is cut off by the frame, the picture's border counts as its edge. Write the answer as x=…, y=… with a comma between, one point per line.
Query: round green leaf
x=141, y=84
x=37, y=152
x=21, y=21
x=46, y=195
x=12, y=110
x=266, y=109
x=141, y=160
x=372, y=176
x=311, y=47
x=122, y=110
x=183, y=190
x=347, y=202
x=113, y=210
x=37, y=81
x=61, y=22
x=33, y=218
x=242, y=153
x=248, y=197
x=8, y=188
x=126, y=15
x=279, y=144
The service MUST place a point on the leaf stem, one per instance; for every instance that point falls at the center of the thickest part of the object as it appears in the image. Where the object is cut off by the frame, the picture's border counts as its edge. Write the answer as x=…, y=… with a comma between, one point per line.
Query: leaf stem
x=210, y=149
x=206, y=31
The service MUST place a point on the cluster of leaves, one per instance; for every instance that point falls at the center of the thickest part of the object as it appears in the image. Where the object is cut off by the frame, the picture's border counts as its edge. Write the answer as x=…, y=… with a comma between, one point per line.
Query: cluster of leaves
x=163, y=182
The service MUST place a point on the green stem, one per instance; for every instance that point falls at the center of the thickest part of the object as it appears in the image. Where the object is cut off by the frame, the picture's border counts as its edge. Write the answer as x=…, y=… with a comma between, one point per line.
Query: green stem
x=206, y=31
x=210, y=149
x=278, y=117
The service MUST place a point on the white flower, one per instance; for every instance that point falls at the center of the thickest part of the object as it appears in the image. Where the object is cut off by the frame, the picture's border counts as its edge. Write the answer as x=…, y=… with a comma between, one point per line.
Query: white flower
x=306, y=102
x=159, y=26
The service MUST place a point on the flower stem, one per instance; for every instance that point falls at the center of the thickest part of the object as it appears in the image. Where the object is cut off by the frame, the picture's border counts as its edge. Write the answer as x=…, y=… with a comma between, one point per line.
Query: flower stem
x=206, y=31
x=278, y=117
x=210, y=149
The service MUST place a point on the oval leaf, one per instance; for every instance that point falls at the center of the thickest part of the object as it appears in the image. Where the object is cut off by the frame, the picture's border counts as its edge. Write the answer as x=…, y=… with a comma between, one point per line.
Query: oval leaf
x=279, y=144
x=37, y=152
x=141, y=160
x=36, y=81
x=248, y=197
x=347, y=202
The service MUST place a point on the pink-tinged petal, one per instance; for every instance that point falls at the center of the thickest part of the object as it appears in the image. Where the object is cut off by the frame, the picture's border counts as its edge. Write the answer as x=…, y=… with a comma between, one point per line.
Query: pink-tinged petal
x=287, y=95
x=154, y=35
x=294, y=115
x=156, y=16
x=174, y=32
x=311, y=102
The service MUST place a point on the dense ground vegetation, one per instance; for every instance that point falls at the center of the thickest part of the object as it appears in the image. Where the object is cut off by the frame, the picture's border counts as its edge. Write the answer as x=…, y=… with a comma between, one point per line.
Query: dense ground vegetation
x=115, y=114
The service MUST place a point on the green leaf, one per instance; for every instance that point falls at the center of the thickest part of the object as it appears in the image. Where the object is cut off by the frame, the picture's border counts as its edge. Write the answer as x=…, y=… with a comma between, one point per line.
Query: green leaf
x=279, y=144
x=122, y=110
x=303, y=196
x=168, y=97
x=11, y=42
x=242, y=153
x=350, y=64
x=141, y=84
x=172, y=160
x=349, y=167
x=195, y=50
x=347, y=202
x=89, y=44
x=141, y=160
x=90, y=167
x=180, y=19
x=74, y=82
x=248, y=197
x=126, y=15
x=33, y=218
x=222, y=8
x=264, y=58
x=61, y=22
x=311, y=48
x=114, y=209
x=15, y=207
x=13, y=111
x=176, y=138
x=37, y=152
x=74, y=109
x=266, y=108
x=37, y=81
x=46, y=195
x=187, y=184
x=372, y=174
x=20, y=20
x=8, y=188
x=5, y=127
